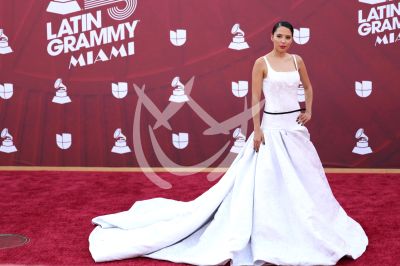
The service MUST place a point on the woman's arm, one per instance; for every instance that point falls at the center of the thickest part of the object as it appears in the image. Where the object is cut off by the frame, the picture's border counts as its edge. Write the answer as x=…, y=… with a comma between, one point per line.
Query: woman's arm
x=257, y=78
x=308, y=91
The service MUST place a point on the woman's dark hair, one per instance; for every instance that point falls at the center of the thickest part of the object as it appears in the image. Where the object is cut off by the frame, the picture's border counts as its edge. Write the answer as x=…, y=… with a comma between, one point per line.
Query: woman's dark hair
x=282, y=24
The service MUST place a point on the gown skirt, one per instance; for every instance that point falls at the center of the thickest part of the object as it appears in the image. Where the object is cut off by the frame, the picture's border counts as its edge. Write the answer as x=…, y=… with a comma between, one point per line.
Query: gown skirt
x=274, y=206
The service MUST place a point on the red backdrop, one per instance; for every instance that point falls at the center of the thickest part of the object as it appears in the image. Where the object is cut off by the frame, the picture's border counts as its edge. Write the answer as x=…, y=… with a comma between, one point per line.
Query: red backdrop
x=336, y=56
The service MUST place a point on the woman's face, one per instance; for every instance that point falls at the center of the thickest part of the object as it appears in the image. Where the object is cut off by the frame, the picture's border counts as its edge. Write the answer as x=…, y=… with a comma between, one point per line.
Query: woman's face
x=282, y=39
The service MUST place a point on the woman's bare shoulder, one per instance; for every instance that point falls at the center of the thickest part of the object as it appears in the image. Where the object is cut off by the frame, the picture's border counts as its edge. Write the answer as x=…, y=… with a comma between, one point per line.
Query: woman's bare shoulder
x=259, y=60
x=299, y=59
x=259, y=63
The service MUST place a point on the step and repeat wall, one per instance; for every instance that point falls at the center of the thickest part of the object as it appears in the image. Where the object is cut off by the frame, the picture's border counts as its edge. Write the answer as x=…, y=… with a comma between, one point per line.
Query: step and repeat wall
x=150, y=83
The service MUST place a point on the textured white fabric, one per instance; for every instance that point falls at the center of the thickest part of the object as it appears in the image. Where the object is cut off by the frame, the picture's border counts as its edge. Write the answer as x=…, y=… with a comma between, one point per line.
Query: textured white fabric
x=273, y=206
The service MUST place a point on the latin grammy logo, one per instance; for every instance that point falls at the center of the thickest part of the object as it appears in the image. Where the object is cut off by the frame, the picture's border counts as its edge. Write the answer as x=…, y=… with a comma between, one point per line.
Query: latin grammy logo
x=364, y=88
x=61, y=96
x=240, y=141
x=6, y=91
x=300, y=93
x=301, y=36
x=240, y=89
x=180, y=140
x=178, y=94
x=7, y=145
x=238, y=41
x=373, y=2
x=4, y=47
x=63, y=7
x=178, y=37
x=119, y=90
x=114, y=12
x=64, y=140
x=362, y=146
x=120, y=146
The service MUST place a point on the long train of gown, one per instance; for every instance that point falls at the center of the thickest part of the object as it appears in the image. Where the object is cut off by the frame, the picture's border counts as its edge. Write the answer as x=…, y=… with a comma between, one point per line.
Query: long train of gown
x=273, y=206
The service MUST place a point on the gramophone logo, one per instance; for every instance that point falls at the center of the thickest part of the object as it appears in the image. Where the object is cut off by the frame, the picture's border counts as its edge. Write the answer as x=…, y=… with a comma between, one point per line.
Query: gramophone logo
x=180, y=140
x=120, y=146
x=362, y=146
x=7, y=145
x=300, y=93
x=363, y=88
x=64, y=7
x=85, y=36
x=301, y=36
x=119, y=90
x=178, y=37
x=61, y=96
x=64, y=140
x=6, y=91
x=381, y=20
x=178, y=93
x=238, y=39
x=240, y=141
x=4, y=46
x=240, y=88
x=373, y=2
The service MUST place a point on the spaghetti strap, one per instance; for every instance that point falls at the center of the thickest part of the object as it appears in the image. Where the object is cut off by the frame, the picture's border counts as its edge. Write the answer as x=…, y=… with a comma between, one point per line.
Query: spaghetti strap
x=295, y=62
x=266, y=62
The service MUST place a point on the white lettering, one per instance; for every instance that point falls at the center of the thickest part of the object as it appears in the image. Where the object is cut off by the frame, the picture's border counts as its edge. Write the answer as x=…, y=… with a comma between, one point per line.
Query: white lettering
x=50, y=34
x=131, y=28
x=385, y=40
x=55, y=47
x=364, y=29
x=85, y=32
x=74, y=62
x=65, y=29
x=102, y=56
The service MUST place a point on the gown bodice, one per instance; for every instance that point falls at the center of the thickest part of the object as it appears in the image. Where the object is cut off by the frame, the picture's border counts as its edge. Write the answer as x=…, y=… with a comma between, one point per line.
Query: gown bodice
x=280, y=89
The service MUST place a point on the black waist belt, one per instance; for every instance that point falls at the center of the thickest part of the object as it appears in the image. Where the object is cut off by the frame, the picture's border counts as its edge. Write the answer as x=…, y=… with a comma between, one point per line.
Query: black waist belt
x=281, y=113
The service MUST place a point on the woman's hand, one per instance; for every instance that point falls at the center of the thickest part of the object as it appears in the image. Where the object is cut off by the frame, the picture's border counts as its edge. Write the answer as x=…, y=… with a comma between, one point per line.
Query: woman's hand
x=304, y=118
x=258, y=139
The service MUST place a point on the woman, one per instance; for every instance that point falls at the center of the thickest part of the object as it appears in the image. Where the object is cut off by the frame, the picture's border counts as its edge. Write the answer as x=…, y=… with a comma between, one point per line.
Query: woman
x=273, y=205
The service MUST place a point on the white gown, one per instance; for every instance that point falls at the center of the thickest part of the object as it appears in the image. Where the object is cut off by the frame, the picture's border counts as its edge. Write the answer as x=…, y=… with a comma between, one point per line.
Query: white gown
x=274, y=206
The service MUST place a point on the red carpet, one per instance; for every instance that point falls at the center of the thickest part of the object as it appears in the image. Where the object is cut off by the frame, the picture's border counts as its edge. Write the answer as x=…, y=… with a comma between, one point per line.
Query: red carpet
x=54, y=210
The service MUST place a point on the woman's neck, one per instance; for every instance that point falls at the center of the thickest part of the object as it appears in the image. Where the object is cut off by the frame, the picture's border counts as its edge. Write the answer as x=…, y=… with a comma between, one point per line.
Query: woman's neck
x=276, y=53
